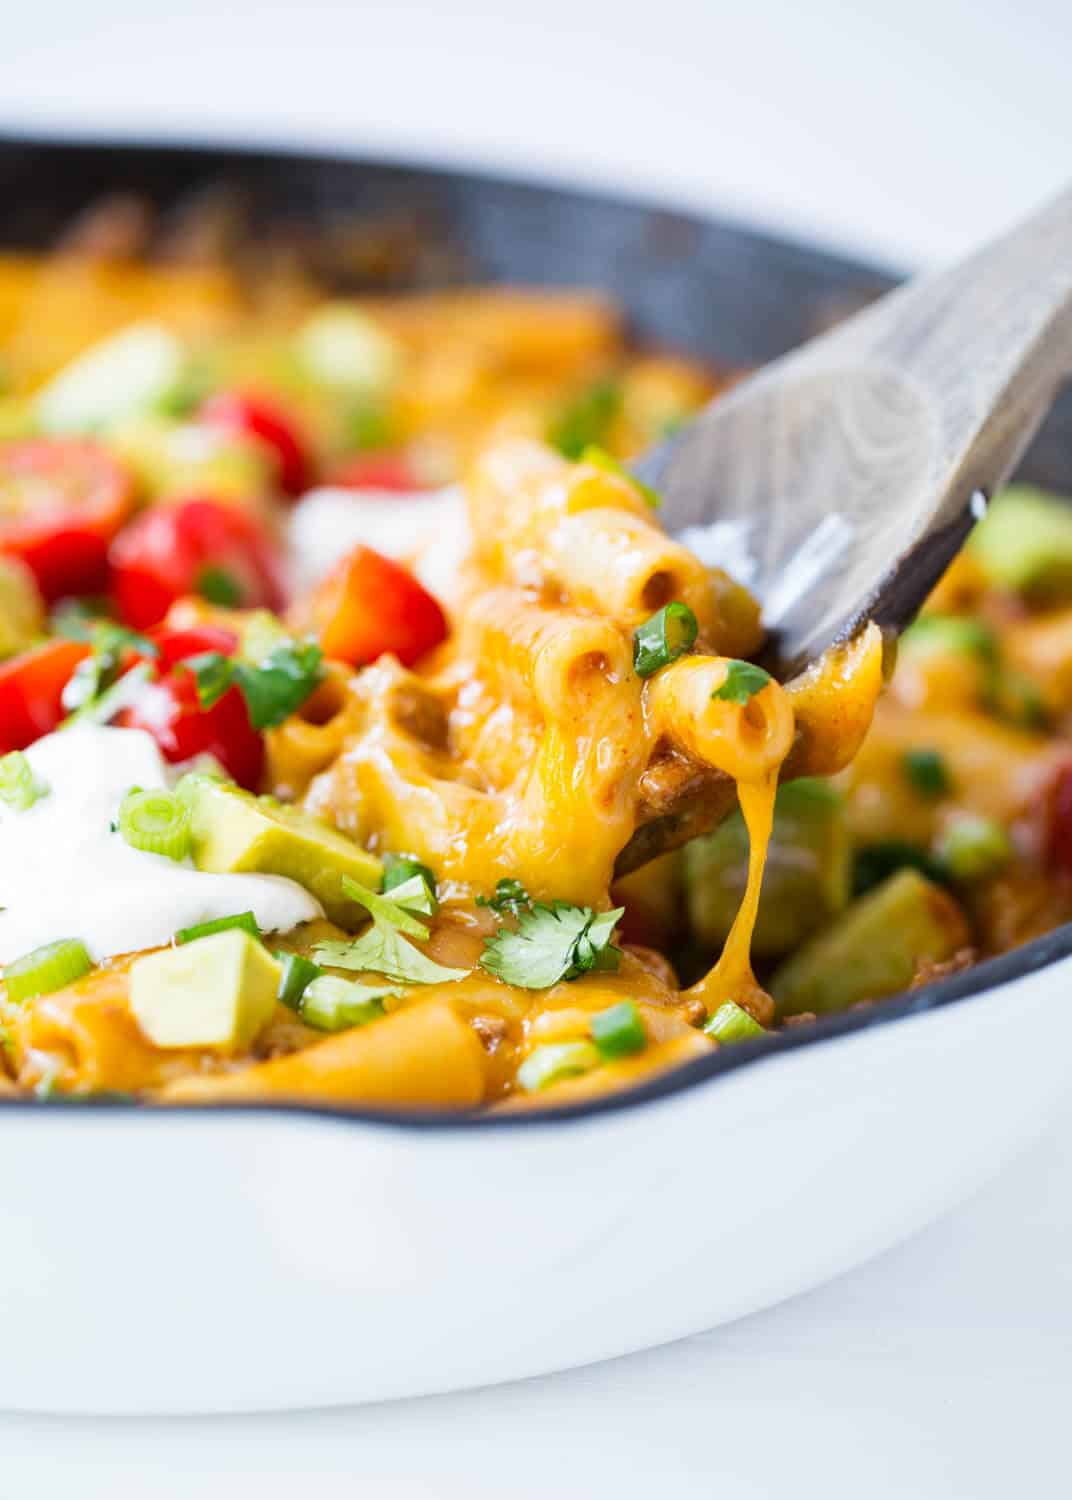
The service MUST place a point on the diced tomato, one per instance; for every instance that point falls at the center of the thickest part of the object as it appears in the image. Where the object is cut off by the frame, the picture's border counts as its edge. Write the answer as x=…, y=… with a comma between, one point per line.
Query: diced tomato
x=376, y=471
x=61, y=503
x=197, y=546
x=170, y=710
x=261, y=418
x=368, y=605
x=31, y=689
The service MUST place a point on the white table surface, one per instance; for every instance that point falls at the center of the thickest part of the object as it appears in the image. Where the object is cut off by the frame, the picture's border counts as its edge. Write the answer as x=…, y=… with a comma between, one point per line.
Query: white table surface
x=903, y=129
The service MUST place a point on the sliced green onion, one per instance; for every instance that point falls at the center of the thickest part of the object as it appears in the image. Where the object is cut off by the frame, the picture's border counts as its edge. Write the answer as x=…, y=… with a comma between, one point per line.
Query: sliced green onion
x=52, y=967
x=599, y=458
x=555, y=1062
x=333, y=1004
x=400, y=868
x=20, y=788
x=927, y=772
x=732, y=1023
x=298, y=974
x=974, y=847
x=586, y=418
x=950, y=633
x=244, y=920
x=156, y=822
x=619, y=1031
x=667, y=635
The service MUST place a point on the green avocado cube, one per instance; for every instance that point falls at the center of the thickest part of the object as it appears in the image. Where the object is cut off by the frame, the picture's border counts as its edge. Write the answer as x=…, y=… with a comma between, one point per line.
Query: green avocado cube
x=874, y=948
x=234, y=832
x=1024, y=543
x=805, y=882
x=219, y=991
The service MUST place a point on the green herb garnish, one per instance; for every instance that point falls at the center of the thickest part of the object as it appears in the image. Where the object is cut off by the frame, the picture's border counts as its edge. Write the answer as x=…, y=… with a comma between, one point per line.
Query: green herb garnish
x=510, y=895
x=20, y=786
x=220, y=587
x=619, y=1031
x=273, y=688
x=552, y=943
x=382, y=948
x=586, y=419
x=743, y=680
x=668, y=634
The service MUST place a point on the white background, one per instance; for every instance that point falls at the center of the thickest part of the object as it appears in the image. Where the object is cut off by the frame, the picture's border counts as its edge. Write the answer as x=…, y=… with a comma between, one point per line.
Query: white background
x=903, y=129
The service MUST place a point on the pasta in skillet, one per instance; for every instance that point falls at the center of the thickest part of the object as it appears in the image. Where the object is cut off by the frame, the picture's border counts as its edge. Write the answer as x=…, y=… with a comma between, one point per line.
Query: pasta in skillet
x=349, y=685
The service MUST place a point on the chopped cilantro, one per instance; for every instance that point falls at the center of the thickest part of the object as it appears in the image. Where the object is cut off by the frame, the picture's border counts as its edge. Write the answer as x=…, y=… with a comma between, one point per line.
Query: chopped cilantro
x=510, y=895
x=220, y=587
x=586, y=419
x=668, y=634
x=743, y=680
x=101, y=668
x=382, y=948
x=552, y=943
x=273, y=688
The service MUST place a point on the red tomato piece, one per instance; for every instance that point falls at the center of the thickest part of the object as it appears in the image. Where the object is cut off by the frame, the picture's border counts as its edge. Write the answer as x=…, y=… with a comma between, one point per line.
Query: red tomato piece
x=31, y=689
x=265, y=421
x=368, y=605
x=376, y=471
x=61, y=503
x=170, y=710
x=197, y=546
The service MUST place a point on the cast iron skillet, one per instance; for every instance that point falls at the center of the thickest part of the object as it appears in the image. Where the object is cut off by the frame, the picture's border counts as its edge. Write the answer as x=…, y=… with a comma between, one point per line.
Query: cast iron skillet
x=705, y=286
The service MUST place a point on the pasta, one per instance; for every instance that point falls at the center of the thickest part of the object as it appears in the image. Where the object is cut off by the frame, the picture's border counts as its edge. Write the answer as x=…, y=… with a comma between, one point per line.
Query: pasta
x=487, y=804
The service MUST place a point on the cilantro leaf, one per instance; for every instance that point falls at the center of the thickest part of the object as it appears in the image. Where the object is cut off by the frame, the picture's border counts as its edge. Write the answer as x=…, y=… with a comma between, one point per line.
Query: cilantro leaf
x=273, y=688
x=219, y=586
x=213, y=673
x=743, y=680
x=510, y=895
x=392, y=911
x=383, y=950
x=552, y=943
x=100, y=669
x=586, y=418
x=276, y=686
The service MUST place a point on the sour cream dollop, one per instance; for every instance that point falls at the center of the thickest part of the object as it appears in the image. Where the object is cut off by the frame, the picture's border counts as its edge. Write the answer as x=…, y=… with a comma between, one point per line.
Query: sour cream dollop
x=429, y=532
x=65, y=874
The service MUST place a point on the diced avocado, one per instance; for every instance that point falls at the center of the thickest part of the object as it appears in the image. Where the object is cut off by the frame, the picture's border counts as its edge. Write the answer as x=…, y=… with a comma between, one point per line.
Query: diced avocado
x=342, y=348
x=22, y=614
x=1024, y=543
x=139, y=369
x=169, y=457
x=232, y=831
x=217, y=992
x=805, y=882
x=873, y=949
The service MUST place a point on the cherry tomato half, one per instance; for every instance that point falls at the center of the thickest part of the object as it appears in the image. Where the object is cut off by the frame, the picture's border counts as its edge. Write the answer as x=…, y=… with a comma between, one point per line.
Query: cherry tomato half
x=197, y=546
x=368, y=605
x=170, y=710
x=376, y=471
x=265, y=421
x=31, y=689
x=61, y=503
